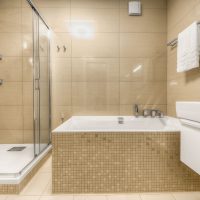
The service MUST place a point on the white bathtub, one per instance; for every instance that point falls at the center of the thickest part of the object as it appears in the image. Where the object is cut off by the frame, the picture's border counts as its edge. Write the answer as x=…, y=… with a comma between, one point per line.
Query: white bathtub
x=110, y=124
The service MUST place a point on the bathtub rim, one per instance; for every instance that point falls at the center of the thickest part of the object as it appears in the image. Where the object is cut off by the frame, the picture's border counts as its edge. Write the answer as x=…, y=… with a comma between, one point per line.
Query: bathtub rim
x=174, y=125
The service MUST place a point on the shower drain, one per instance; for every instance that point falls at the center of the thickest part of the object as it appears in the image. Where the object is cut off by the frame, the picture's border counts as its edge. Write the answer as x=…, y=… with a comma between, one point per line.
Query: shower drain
x=17, y=149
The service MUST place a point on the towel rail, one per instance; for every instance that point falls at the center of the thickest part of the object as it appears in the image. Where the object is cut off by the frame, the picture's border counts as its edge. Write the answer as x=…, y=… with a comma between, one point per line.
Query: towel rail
x=174, y=42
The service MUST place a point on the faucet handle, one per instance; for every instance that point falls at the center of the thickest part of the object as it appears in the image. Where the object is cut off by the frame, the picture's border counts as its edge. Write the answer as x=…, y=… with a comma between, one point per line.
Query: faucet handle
x=136, y=110
x=157, y=113
x=160, y=114
x=146, y=112
x=154, y=113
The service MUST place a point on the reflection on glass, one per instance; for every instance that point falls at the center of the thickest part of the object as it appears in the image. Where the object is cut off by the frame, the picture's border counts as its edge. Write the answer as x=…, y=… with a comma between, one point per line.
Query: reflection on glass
x=172, y=83
x=25, y=45
x=31, y=61
x=82, y=29
x=136, y=69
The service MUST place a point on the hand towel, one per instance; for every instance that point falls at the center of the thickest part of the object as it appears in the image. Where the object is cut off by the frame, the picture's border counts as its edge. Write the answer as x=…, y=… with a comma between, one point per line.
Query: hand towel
x=188, y=48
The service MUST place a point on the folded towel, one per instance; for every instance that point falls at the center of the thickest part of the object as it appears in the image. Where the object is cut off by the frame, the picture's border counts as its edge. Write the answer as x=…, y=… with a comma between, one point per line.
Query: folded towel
x=188, y=48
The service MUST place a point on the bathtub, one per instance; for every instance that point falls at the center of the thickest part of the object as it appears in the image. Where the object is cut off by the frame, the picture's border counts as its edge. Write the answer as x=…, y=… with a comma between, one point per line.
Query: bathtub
x=100, y=155
x=111, y=124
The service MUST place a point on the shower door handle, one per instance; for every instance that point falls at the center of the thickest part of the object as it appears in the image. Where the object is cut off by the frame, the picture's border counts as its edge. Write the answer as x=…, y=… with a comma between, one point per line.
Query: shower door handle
x=37, y=84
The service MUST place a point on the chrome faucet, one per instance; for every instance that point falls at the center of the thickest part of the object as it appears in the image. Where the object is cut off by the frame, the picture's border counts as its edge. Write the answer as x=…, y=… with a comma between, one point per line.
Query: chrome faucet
x=136, y=110
x=157, y=113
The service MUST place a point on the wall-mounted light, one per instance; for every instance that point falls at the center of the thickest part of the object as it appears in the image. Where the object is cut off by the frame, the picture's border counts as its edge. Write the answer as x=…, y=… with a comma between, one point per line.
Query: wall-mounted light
x=135, y=8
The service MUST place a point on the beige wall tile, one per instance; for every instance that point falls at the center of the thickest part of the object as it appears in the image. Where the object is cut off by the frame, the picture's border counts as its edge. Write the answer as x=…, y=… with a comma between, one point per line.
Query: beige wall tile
x=94, y=20
x=27, y=93
x=92, y=110
x=61, y=70
x=44, y=93
x=28, y=117
x=152, y=20
x=98, y=45
x=142, y=44
x=27, y=18
x=44, y=69
x=27, y=69
x=11, y=69
x=24, y=4
x=52, y=4
x=10, y=44
x=171, y=110
x=44, y=120
x=143, y=69
x=10, y=4
x=11, y=136
x=28, y=136
x=95, y=93
x=11, y=118
x=147, y=3
x=95, y=4
x=55, y=15
x=178, y=9
x=62, y=93
x=11, y=94
x=184, y=89
x=27, y=44
x=143, y=93
x=95, y=69
x=10, y=20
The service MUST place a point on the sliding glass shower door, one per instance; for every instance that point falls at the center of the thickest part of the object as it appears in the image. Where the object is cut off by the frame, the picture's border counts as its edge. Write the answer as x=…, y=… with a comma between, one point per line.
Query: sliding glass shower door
x=41, y=85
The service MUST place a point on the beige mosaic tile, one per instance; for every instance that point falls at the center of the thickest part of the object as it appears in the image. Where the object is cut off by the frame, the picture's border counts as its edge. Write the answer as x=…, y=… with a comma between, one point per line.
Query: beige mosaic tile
x=120, y=163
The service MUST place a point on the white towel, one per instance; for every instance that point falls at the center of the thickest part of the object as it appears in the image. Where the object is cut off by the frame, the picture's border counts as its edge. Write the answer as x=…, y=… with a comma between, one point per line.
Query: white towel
x=188, y=48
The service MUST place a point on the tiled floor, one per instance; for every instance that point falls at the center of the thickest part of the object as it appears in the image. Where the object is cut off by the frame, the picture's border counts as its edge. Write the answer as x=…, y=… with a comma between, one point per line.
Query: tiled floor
x=40, y=189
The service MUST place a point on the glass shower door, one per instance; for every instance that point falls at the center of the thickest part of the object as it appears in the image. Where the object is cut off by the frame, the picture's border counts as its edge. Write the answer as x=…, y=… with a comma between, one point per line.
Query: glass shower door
x=44, y=85
x=41, y=85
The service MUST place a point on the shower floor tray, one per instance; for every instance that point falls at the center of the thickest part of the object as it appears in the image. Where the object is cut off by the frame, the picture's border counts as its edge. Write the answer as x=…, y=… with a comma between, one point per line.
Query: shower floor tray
x=12, y=162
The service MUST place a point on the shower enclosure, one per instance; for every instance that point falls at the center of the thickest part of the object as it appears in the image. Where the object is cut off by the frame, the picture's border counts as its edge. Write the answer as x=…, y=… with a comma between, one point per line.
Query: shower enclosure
x=24, y=86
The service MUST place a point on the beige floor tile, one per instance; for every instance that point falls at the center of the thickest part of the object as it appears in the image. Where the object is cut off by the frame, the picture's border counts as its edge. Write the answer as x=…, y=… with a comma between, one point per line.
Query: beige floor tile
x=3, y=197
x=157, y=196
x=48, y=189
x=57, y=197
x=187, y=196
x=18, y=197
x=46, y=167
x=90, y=197
x=37, y=185
x=124, y=197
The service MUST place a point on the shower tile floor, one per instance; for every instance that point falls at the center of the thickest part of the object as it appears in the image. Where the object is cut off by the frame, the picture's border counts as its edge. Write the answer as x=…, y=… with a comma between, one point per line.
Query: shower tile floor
x=39, y=188
x=12, y=162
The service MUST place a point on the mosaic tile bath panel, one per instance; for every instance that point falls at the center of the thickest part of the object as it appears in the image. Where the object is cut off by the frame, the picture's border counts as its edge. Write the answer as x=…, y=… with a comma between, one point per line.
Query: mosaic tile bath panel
x=120, y=163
